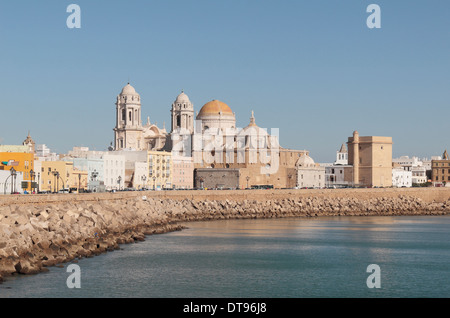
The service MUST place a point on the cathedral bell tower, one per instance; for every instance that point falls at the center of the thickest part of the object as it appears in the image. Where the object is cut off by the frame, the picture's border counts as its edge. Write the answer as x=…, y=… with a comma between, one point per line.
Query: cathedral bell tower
x=182, y=115
x=128, y=130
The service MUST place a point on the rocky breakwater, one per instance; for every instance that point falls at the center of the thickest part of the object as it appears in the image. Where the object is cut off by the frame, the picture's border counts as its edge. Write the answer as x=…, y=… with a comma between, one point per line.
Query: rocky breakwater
x=187, y=210
x=36, y=236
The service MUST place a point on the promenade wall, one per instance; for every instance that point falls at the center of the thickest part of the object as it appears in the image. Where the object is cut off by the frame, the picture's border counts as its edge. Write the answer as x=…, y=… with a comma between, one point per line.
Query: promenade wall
x=425, y=194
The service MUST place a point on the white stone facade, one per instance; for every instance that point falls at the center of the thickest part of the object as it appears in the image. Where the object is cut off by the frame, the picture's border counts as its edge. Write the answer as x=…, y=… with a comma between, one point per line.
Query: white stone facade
x=309, y=174
x=114, y=171
x=401, y=178
x=8, y=184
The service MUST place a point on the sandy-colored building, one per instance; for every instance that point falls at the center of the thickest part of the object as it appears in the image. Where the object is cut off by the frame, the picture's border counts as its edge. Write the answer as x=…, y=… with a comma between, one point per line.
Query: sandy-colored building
x=440, y=170
x=183, y=172
x=61, y=175
x=371, y=158
x=159, y=170
x=256, y=153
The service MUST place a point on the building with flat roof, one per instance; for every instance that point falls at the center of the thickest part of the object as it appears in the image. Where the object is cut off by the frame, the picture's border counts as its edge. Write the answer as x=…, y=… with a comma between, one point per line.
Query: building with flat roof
x=440, y=171
x=371, y=158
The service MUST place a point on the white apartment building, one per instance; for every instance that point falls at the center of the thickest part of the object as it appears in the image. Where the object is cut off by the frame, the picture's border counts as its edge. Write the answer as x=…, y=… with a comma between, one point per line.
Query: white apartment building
x=418, y=167
x=401, y=178
x=114, y=171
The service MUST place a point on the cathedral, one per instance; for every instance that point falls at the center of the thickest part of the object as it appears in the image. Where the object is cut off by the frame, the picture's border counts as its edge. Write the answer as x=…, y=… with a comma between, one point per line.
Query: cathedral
x=239, y=157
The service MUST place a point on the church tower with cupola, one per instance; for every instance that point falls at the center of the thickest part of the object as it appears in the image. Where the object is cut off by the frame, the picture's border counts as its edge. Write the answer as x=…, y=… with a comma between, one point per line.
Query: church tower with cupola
x=30, y=143
x=182, y=115
x=342, y=156
x=129, y=133
x=128, y=130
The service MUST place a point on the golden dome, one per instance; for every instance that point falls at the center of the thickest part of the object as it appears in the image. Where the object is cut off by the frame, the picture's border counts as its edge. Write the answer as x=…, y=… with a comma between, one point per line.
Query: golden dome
x=214, y=108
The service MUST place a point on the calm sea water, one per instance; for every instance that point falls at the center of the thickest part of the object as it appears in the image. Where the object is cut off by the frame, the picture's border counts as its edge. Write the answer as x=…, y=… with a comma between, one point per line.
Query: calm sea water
x=293, y=258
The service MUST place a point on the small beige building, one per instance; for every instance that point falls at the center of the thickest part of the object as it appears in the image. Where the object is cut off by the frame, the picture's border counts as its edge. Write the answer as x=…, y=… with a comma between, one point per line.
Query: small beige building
x=183, y=172
x=371, y=158
x=309, y=174
x=159, y=170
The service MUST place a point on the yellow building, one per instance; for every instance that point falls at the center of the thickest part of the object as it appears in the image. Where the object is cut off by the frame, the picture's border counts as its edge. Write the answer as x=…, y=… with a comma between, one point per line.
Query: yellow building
x=21, y=162
x=159, y=169
x=78, y=180
x=371, y=158
x=59, y=175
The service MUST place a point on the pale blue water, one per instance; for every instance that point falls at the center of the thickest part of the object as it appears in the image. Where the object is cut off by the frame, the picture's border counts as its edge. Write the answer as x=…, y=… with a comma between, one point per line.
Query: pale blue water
x=293, y=258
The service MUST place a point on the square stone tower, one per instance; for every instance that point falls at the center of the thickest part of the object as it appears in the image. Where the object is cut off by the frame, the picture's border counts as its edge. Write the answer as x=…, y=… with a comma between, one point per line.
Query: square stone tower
x=371, y=158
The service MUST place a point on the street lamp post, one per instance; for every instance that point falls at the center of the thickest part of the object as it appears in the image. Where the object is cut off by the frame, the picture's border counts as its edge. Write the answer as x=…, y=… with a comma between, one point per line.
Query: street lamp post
x=13, y=179
x=56, y=183
x=94, y=176
x=143, y=178
x=32, y=175
x=118, y=181
x=62, y=180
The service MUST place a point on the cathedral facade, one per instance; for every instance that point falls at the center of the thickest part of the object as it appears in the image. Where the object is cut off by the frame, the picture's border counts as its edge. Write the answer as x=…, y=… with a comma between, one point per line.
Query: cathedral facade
x=129, y=133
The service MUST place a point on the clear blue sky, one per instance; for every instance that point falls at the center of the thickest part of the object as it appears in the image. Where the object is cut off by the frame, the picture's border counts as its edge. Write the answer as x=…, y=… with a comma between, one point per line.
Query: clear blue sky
x=311, y=68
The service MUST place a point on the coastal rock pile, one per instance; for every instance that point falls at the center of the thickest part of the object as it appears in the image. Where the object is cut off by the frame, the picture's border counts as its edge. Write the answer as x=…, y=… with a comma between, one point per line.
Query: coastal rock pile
x=34, y=237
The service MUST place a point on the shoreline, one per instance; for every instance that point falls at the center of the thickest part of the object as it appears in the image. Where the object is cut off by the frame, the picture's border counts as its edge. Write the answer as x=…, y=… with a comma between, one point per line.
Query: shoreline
x=37, y=232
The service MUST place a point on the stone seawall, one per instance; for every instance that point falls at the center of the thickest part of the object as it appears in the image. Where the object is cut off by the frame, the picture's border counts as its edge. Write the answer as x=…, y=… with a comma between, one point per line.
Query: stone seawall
x=38, y=231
